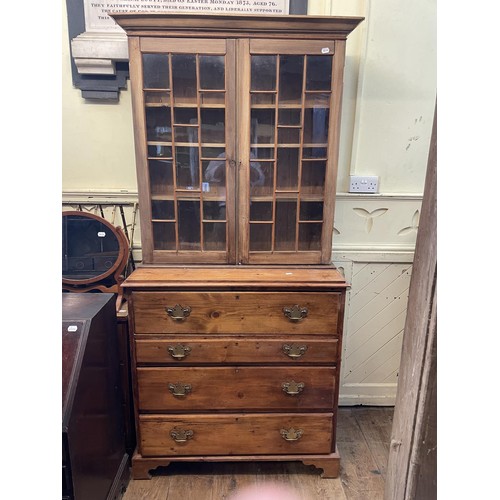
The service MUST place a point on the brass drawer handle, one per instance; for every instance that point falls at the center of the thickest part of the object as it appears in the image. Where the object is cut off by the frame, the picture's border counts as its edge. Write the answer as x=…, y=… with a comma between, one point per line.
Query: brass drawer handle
x=179, y=389
x=293, y=388
x=291, y=434
x=178, y=351
x=181, y=435
x=295, y=313
x=178, y=312
x=294, y=351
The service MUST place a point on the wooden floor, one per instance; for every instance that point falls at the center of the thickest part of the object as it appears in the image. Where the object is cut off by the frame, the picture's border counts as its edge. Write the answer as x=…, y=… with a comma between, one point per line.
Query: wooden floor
x=363, y=443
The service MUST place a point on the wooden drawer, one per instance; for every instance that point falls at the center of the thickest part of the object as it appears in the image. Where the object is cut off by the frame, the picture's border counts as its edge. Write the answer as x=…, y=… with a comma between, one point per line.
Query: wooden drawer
x=232, y=350
x=236, y=312
x=236, y=434
x=234, y=388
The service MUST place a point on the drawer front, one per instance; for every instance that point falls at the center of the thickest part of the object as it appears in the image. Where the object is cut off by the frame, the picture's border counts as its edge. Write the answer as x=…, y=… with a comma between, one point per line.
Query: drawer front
x=192, y=350
x=235, y=388
x=236, y=312
x=240, y=434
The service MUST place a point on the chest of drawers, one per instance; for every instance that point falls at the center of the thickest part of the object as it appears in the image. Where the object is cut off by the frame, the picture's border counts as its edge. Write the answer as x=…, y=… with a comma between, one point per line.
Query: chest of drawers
x=235, y=363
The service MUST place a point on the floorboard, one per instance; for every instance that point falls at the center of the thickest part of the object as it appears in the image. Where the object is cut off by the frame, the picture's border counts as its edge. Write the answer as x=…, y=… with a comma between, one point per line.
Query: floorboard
x=363, y=435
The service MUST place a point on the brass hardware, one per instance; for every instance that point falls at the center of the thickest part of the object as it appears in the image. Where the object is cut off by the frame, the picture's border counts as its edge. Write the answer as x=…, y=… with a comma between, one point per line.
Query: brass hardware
x=294, y=351
x=178, y=312
x=179, y=389
x=179, y=351
x=293, y=388
x=291, y=434
x=295, y=313
x=181, y=435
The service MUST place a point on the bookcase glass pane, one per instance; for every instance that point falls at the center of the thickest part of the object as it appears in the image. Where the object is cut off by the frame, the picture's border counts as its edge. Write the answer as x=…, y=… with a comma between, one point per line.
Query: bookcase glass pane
x=214, y=236
x=311, y=210
x=161, y=180
x=164, y=235
x=155, y=71
x=262, y=126
x=312, y=153
x=158, y=124
x=184, y=78
x=310, y=236
x=288, y=136
x=262, y=153
x=291, y=78
x=212, y=72
x=263, y=73
x=288, y=169
x=188, y=213
x=214, y=178
x=210, y=152
x=260, y=237
x=185, y=116
x=263, y=100
x=213, y=125
x=162, y=210
x=187, y=167
x=285, y=227
x=186, y=134
x=289, y=116
x=261, y=178
x=214, y=210
x=316, y=125
x=157, y=98
x=261, y=211
x=319, y=73
x=212, y=99
x=313, y=177
x=159, y=151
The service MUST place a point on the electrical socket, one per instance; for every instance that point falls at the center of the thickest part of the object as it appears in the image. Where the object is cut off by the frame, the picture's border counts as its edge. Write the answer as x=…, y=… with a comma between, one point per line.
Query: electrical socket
x=363, y=184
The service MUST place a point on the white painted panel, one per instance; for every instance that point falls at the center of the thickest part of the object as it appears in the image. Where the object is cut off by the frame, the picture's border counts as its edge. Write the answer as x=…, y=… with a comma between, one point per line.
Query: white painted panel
x=382, y=276
x=356, y=360
x=375, y=317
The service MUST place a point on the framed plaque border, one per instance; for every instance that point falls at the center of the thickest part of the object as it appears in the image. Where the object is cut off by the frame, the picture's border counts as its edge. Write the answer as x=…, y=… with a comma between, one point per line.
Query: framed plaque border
x=99, y=61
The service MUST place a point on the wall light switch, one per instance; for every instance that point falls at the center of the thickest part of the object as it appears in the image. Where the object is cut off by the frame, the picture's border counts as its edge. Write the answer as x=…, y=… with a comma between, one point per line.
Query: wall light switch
x=363, y=184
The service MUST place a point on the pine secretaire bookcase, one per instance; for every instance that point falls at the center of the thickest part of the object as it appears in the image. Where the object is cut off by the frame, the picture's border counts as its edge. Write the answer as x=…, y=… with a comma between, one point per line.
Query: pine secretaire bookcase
x=236, y=312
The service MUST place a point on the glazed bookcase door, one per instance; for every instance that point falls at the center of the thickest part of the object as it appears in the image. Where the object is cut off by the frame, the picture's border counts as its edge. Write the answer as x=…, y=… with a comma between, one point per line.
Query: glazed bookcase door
x=288, y=141
x=184, y=107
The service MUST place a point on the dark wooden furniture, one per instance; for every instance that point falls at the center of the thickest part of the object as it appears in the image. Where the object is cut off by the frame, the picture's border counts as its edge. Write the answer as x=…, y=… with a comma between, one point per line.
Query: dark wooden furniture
x=236, y=126
x=94, y=461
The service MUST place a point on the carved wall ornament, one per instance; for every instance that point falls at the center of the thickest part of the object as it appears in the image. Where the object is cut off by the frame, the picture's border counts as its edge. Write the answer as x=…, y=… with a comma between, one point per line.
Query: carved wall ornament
x=369, y=216
x=413, y=227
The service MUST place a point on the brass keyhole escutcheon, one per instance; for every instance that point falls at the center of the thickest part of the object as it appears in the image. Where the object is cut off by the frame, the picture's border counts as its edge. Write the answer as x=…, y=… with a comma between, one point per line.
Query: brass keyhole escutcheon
x=294, y=351
x=293, y=388
x=178, y=351
x=291, y=434
x=295, y=313
x=179, y=389
x=178, y=312
x=181, y=435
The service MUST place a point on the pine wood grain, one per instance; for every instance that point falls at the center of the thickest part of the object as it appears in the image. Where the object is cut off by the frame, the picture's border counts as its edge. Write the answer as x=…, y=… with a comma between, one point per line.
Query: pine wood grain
x=223, y=276
x=231, y=388
x=235, y=350
x=242, y=312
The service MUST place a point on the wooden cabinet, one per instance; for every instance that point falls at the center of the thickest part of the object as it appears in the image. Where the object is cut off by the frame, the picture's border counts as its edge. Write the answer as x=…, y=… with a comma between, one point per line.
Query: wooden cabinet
x=236, y=124
x=236, y=363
